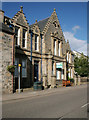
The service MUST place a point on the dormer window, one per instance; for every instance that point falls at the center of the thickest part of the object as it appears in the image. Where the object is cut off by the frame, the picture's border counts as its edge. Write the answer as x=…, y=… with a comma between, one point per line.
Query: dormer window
x=36, y=42
x=24, y=40
x=17, y=36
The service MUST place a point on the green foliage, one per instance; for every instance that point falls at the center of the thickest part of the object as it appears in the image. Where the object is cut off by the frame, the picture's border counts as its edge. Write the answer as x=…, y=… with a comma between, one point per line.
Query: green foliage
x=68, y=78
x=81, y=65
x=11, y=68
x=71, y=80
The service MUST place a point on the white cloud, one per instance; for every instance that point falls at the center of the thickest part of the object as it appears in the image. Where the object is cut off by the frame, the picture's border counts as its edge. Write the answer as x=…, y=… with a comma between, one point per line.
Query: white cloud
x=76, y=44
x=75, y=28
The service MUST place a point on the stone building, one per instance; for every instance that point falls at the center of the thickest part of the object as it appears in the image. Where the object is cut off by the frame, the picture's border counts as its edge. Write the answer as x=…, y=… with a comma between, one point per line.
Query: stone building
x=40, y=49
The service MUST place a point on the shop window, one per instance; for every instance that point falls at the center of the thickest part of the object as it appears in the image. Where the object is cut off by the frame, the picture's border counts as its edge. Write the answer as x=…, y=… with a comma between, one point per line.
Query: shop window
x=17, y=36
x=24, y=71
x=36, y=42
x=24, y=40
x=62, y=74
x=57, y=74
x=69, y=73
x=16, y=67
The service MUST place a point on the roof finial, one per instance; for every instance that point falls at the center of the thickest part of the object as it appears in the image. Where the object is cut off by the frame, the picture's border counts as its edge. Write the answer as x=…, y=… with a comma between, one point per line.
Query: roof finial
x=21, y=8
x=54, y=9
x=36, y=21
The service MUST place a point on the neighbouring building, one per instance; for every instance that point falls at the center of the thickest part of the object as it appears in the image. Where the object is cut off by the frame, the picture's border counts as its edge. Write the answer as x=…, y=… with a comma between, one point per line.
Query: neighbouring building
x=40, y=49
x=78, y=54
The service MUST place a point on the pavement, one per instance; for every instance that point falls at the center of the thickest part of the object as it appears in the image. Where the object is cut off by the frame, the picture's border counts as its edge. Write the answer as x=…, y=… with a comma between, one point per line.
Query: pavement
x=30, y=93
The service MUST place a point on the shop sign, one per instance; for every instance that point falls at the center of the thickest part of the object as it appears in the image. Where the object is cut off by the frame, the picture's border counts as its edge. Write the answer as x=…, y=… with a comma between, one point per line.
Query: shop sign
x=59, y=65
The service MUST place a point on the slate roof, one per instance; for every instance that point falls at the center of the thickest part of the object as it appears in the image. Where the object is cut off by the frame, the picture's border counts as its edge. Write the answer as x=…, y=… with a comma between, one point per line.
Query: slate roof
x=5, y=28
x=41, y=24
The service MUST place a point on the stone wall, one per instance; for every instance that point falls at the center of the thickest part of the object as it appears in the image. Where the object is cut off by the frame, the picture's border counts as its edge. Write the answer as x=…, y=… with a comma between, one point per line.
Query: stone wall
x=84, y=79
x=0, y=63
x=7, y=81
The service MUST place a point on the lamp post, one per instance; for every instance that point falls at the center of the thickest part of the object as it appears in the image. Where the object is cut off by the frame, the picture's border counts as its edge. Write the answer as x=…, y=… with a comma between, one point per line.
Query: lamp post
x=19, y=79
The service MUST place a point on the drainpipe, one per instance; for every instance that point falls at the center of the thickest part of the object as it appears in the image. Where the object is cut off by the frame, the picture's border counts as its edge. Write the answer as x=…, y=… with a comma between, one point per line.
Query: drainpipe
x=31, y=53
x=12, y=59
x=41, y=57
x=31, y=46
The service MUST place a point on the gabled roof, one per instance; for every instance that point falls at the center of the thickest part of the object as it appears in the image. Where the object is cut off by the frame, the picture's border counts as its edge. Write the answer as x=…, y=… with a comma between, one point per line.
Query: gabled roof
x=20, y=18
x=41, y=24
x=5, y=28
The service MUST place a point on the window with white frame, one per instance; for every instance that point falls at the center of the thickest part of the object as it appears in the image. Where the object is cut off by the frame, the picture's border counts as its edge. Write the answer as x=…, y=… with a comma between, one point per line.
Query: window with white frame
x=36, y=42
x=24, y=71
x=70, y=58
x=67, y=56
x=71, y=73
x=24, y=40
x=54, y=47
x=16, y=67
x=59, y=48
x=17, y=36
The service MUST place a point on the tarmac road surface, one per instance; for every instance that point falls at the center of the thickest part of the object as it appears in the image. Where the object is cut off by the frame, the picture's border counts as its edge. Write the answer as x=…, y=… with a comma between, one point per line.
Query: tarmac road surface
x=70, y=102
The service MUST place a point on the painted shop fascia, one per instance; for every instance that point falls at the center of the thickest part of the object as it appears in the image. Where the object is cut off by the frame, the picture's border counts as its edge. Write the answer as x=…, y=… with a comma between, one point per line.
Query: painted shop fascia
x=40, y=49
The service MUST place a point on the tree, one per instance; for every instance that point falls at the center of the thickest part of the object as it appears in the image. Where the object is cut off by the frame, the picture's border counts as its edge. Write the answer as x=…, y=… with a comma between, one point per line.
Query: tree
x=81, y=65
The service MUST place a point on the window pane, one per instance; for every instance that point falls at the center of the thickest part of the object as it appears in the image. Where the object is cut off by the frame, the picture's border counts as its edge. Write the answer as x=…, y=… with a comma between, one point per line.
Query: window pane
x=35, y=42
x=23, y=45
x=16, y=68
x=23, y=64
x=24, y=72
x=59, y=48
x=61, y=74
x=16, y=31
x=57, y=74
x=24, y=33
x=16, y=35
x=54, y=47
x=23, y=42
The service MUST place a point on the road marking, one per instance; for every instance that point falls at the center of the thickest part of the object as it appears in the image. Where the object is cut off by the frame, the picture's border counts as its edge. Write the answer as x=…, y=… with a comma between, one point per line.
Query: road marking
x=60, y=118
x=85, y=105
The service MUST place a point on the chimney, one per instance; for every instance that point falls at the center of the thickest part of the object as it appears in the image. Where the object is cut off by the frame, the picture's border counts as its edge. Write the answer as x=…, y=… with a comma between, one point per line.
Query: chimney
x=1, y=16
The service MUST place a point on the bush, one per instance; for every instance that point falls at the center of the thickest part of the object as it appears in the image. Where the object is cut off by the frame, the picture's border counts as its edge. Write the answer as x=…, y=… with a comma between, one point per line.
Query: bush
x=71, y=80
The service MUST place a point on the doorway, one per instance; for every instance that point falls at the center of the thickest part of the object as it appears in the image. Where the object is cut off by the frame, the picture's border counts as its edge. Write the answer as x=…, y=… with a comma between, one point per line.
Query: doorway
x=36, y=69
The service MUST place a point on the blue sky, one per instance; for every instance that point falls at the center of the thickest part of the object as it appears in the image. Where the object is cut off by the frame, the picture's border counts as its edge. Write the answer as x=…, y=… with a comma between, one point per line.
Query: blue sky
x=72, y=17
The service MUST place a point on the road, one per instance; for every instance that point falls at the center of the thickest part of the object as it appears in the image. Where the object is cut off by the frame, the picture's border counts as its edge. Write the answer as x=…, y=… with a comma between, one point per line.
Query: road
x=71, y=103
